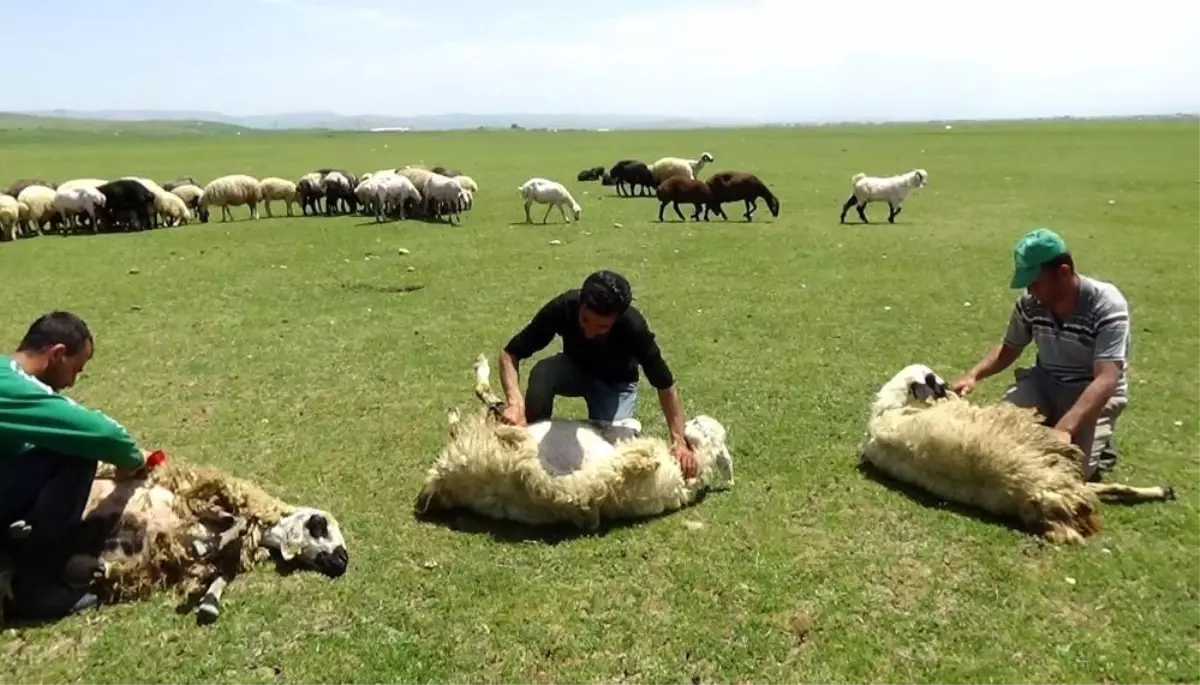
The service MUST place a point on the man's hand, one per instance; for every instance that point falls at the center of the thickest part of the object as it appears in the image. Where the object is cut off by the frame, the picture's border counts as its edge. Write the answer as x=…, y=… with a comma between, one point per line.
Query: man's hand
x=685, y=457
x=136, y=472
x=964, y=384
x=1063, y=435
x=514, y=414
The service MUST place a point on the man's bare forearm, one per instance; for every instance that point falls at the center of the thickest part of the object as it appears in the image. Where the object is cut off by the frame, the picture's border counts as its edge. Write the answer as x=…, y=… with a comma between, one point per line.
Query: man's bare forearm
x=510, y=378
x=672, y=409
x=996, y=360
x=1091, y=402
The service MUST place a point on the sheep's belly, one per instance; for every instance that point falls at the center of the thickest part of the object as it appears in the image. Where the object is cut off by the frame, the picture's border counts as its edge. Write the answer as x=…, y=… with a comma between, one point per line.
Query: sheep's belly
x=565, y=447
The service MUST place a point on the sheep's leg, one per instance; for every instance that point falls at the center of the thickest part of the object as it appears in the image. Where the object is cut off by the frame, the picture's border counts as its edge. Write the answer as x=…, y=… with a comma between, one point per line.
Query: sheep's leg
x=528, y=204
x=892, y=212
x=267, y=206
x=546, y=217
x=862, y=213
x=696, y=216
x=895, y=213
x=289, y=208
x=661, y=207
x=483, y=387
x=563, y=210
x=1129, y=493
x=209, y=609
x=676, y=205
x=846, y=207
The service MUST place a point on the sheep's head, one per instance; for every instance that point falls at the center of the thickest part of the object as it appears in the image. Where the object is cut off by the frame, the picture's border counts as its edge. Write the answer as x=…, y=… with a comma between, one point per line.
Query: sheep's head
x=706, y=436
x=706, y=158
x=914, y=384
x=920, y=177
x=313, y=537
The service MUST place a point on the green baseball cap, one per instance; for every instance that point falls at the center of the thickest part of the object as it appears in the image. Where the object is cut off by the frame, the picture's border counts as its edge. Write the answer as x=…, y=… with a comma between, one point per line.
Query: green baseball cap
x=1031, y=252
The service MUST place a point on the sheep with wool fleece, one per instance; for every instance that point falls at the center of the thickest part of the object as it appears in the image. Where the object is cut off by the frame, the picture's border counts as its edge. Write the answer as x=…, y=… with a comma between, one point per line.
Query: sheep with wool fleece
x=12, y=213
x=82, y=183
x=190, y=194
x=396, y=191
x=232, y=190
x=172, y=208
x=547, y=192
x=998, y=457
x=442, y=193
x=275, y=188
x=72, y=202
x=890, y=189
x=666, y=167
x=40, y=201
x=565, y=470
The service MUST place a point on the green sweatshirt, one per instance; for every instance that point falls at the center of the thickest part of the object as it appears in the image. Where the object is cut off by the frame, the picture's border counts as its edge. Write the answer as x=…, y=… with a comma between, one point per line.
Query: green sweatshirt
x=33, y=415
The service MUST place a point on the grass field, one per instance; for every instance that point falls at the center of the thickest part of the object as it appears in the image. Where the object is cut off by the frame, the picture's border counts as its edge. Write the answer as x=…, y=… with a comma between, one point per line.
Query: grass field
x=277, y=350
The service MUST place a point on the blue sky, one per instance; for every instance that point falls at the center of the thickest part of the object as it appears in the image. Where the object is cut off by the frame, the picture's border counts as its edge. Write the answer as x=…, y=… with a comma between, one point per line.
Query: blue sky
x=774, y=59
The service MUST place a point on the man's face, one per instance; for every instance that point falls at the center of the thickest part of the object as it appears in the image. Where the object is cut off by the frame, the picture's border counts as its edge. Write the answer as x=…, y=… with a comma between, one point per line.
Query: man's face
x=594, y=325
x=62, y=370
x=1052, y=286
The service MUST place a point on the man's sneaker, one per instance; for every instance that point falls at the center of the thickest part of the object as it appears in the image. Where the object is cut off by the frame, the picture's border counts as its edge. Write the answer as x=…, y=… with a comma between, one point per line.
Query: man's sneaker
x=45, y=600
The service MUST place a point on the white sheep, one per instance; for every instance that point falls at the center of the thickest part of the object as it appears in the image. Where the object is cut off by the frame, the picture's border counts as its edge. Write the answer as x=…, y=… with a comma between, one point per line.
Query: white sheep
x=12, y=214
x=82, y=183
x=73, y=201
x=667, y=167
x=890, y=189
x=998, y=458
x=547, y=192
x=172, y=208
x=40, y=201
x=470, y=186
x=567, y=471
x=190, y=194
x=395, y=191
x=442, y=193
x=274, y=188
x=232, y=190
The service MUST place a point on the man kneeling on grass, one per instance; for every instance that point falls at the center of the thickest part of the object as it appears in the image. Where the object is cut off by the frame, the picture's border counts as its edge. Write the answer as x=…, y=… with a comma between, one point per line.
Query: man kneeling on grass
x=1080, y=326
x=605, y=338
x=49, y=446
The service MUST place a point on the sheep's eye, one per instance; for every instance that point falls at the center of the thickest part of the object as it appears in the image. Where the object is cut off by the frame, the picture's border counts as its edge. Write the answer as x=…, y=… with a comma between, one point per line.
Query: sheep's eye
x=317, y=526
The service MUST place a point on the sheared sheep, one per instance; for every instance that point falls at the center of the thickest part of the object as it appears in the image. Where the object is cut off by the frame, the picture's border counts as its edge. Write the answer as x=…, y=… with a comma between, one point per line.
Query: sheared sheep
x=547, y=192
x=273, y=188
x=567, y=471
x=192, y=530
x=891, y=189
x=731, y=186
x=681, y=189
x=998, y=458
x=231, y=191
x=668, y=167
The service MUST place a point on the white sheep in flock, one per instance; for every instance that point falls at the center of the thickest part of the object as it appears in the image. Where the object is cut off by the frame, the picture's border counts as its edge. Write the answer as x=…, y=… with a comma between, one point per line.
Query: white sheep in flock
x=77, y=200
x=232, y=190
x=40, y=201
x=190, y=194
x=444, y=194
x=667, y=167
x=172, y=208
x=547, y=192
x=567, y=471
x=470, y=186
x=395, y=191
x=191, y=530
x=12, y=214
x=998, y=458
x=891, y=189
x=82, y=183
x=274, y=188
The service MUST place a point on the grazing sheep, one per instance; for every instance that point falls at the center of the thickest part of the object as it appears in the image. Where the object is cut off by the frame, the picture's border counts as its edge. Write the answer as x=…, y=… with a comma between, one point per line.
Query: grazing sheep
x=630, y=176
x=449, y=173
x=40, y=200
x=668, y=167
x=126, y=197
x=193, y=530
x=12, y=213
x=681, y=189
x=731, y=186
x=72, y=202
x=416, y=174
x=182, y=181
x=470, y=186
x=399, y=193
x=15, y=189
x=172, y=208
x=273, y=188
x=339, y=188
x=547, y=192
x=892, y=189
x=998, y=458
x=593, y=174
x=310, y=189
x=232, y=191
x=444, y=195
x=190, y=195
x=157, y=191
x=567, y=471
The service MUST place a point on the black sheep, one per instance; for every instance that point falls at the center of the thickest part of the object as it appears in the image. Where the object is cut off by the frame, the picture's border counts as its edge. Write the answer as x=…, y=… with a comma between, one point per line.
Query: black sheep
x=731, y=186
x=123, y=197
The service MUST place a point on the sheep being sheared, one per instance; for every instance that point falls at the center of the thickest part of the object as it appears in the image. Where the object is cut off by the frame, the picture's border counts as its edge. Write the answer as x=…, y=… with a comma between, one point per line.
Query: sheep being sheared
x=998, y=457
x=192, y=530
x=567, y=471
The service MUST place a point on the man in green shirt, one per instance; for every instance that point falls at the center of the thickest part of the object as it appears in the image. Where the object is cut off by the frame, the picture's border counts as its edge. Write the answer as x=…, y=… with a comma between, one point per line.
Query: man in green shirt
x=49, y=448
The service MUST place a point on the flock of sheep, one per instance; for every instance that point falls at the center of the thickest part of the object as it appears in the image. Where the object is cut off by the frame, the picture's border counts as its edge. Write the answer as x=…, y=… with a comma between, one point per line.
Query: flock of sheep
x=34, y=206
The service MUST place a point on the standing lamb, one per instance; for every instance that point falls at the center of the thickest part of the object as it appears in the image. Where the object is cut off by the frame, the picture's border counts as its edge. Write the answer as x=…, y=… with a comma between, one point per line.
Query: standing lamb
x=232, y=191
x=273, y=188
x=680, y=189
x=998, y=458
x=667, y=167
x=891, y=189
x=567, y=471
x=547, y=192
x=731, y=186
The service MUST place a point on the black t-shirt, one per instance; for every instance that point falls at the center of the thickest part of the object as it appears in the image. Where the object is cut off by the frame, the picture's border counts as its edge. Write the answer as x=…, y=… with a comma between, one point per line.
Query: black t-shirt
x=613, y=358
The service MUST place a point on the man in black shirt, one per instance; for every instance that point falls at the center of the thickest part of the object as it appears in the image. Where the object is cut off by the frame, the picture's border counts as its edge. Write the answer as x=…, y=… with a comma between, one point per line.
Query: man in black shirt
x=604, y=339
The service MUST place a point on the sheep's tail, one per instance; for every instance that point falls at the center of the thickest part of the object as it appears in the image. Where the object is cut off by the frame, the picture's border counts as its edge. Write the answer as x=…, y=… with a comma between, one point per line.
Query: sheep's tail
x=857, y=177
x=483, y=387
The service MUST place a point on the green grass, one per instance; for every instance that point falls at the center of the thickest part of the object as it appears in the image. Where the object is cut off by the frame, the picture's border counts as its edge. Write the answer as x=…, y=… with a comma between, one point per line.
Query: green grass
x=333, y=395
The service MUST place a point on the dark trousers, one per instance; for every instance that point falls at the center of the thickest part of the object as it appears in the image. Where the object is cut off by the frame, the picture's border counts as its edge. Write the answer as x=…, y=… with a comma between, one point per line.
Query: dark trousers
x=49, y=492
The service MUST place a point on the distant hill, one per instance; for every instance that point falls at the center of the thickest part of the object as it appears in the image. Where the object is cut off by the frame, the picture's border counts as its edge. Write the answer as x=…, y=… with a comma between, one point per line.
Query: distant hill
x=11, y=122
x=364, y=122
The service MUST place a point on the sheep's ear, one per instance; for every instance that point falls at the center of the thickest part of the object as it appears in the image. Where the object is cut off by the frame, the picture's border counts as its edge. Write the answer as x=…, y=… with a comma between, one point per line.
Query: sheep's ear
x=938, y=388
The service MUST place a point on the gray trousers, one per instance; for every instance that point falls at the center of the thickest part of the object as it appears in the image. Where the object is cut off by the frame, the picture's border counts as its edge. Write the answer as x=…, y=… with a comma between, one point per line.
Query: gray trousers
x=560, y=376
x=1033, y=387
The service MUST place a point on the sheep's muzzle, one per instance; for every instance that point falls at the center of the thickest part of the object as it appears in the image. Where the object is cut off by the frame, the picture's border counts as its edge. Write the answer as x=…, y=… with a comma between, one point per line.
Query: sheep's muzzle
x=332, y=564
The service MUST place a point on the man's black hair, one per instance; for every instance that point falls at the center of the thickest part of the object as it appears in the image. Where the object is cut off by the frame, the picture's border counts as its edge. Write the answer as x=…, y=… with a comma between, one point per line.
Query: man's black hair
x=56, y=328
x=1064, y=258
x=607, y=293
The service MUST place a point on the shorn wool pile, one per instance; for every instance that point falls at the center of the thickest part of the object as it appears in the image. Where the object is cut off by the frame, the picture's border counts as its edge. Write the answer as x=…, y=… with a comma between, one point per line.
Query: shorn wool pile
x=999, y=458
x=565, y=470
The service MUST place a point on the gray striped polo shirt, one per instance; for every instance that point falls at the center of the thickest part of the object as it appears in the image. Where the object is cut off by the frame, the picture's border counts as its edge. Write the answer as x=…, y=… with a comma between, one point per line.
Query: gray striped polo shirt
x=1097, y=330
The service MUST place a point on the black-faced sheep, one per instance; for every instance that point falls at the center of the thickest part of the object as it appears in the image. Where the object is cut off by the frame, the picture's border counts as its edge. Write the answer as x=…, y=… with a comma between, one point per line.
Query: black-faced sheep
x=731, y=186
x=681, y=189
x=891, y=189
x=669, y=167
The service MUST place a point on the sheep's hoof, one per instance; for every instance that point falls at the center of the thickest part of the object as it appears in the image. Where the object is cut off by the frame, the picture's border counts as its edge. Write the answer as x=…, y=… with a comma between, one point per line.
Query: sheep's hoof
x=208, y=611
x=1168, y=493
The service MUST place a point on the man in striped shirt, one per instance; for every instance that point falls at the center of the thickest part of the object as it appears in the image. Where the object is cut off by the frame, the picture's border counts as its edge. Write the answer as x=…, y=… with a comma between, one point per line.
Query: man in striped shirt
x=1080, y=326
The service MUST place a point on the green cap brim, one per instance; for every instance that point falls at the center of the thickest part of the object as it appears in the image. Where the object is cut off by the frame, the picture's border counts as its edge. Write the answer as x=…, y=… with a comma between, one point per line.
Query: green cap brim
x=1023, y=277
